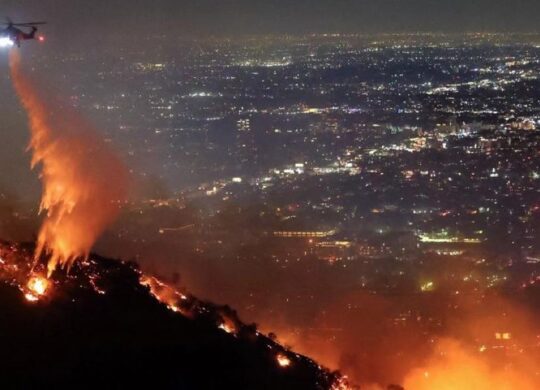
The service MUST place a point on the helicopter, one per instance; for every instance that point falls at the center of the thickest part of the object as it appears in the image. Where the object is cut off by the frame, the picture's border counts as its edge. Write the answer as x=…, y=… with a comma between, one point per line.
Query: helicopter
x=13, y=35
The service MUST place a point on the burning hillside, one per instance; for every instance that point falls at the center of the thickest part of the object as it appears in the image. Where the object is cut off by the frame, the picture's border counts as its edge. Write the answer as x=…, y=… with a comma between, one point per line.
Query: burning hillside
x=101, y=325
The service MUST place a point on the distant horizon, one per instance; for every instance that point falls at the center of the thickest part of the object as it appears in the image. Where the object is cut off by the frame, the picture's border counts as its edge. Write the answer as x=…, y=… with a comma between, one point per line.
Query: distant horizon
x=237, y=17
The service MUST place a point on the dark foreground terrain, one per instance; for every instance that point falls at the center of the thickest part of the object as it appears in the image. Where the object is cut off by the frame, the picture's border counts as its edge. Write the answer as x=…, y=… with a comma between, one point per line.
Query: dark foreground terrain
x=100, y=327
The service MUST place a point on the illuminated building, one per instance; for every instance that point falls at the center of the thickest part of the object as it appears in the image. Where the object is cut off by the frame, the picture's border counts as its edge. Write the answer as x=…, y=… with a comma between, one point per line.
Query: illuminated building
x=304, y=234
x=243, y=125
x=444, y=237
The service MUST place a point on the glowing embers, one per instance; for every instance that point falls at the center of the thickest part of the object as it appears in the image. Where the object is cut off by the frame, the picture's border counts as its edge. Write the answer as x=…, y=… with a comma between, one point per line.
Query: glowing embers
x=225, y=318
x=283, y=361
x=92, y=279
x=36, y=288
x=165, y=294
x=228, y=322
x=341, y=383
x=228, y=326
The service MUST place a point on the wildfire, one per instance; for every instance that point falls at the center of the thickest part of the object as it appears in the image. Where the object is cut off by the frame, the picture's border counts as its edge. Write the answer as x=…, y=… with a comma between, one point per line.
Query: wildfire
x=341, y=384
x=83, y=182
x=164, y=293
x=283, y=360
x=456, y=368
x=228, y=323
x=36, y=287
x=227, y=327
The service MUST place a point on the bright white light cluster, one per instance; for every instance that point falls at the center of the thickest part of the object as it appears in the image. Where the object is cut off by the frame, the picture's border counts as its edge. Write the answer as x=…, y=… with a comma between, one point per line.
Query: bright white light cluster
x=6, y=42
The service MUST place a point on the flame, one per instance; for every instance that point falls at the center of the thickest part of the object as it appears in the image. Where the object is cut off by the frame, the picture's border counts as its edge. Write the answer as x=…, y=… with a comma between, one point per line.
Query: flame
x=165, y=294
x=283, y=360
x=37, y=286
x=83, y=181
x=227, y=326
x=176, y=301
x=341, y=383
x=31, y=297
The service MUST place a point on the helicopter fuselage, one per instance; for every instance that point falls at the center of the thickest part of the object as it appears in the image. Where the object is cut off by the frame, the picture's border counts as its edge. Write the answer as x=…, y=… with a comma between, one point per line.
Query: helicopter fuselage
x=16, y=35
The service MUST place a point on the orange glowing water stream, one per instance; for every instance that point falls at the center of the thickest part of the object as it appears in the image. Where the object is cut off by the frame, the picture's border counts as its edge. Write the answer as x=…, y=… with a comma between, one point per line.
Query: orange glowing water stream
x=83, y=181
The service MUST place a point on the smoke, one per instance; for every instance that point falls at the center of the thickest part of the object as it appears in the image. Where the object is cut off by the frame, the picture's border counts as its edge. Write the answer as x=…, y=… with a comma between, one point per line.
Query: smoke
x=321, y=310
x=490, y=343
x=454, y=367
x=84, y=183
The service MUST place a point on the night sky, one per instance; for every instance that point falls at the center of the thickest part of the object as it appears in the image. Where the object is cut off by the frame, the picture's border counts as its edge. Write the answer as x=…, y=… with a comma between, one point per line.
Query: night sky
x=275, y=16
x=402, y=147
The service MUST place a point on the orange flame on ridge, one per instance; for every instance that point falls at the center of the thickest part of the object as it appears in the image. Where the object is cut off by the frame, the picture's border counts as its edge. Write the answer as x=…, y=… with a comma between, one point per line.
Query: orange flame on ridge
x=83, y=181
x=283, y=360
x=37, y=286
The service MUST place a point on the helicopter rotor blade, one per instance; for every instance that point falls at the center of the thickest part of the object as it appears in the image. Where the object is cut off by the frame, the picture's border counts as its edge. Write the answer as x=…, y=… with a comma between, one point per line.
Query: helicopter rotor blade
x=27, y=24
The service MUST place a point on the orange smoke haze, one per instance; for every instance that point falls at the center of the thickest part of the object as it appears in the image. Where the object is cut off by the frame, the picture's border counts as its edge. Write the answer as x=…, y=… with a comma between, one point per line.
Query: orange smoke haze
x=84, y=183
x=453, y=367
x=489, y=345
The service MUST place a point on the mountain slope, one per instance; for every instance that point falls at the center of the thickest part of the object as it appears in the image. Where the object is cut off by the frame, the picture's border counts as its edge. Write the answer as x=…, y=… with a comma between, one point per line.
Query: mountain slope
x=99, y=326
